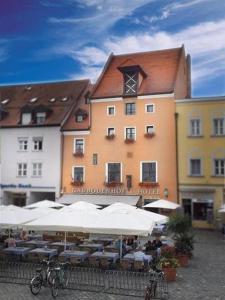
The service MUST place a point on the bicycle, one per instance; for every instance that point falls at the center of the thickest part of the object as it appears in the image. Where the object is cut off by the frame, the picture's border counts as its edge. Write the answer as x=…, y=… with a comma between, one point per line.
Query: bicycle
x=61, y=278
x=43, y=276
x=157, y=287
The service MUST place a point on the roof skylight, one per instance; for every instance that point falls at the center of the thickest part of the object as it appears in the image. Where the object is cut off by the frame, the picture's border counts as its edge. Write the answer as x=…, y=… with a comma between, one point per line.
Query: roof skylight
x=52, y=100
x=5, y=101
x=64, y=99
x=33, y=100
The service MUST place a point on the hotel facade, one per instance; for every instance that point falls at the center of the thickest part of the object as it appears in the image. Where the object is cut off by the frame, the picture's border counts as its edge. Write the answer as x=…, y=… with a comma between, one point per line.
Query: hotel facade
x=128, y=144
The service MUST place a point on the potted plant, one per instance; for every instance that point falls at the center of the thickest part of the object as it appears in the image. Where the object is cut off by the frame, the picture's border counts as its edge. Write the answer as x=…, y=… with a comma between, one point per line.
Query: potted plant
x=148, y=184
x=129, y=140
x=110, y=136
x=184, y=247
x=149, y=134
x=179, y=224
x=169, y=263
x=77, y=183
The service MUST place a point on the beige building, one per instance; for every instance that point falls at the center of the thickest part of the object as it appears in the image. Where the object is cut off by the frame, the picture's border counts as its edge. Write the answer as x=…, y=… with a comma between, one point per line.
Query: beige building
x=201, y=158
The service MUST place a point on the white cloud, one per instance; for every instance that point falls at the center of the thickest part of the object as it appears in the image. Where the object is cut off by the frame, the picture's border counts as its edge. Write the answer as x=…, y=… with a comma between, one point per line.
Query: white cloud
x=3, y=51
x=89, y=72
x=205, y=42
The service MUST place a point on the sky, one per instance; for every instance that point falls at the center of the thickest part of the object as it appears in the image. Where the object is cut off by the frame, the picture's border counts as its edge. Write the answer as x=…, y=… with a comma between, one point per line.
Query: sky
x=54, y=40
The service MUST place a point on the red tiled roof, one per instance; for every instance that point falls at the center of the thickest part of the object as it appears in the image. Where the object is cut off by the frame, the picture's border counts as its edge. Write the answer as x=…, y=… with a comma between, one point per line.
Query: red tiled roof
x=20, y=96
x=159, y=66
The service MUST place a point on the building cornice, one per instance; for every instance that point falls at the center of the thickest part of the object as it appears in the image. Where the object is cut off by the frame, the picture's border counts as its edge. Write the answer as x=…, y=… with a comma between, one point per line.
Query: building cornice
x=203, y=99
x=76, y=132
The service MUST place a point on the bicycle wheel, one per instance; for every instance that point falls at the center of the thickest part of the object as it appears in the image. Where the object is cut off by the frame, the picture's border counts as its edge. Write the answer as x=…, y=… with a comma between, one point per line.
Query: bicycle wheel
x=50, y=276
x=65, y=279
x=35, y=285
x=147, y=293
x=55, y=287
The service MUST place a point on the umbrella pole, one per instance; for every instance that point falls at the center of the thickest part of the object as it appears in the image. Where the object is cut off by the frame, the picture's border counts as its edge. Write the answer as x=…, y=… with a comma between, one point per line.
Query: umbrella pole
x=121, y=246
x=65, y=242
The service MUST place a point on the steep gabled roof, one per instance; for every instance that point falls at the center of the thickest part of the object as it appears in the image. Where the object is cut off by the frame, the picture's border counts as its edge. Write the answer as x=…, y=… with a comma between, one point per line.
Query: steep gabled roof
x=159, y=66
x=58, y=98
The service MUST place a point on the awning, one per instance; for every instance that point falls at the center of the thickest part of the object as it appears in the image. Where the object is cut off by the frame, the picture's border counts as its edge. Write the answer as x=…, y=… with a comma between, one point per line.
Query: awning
x=98, y=199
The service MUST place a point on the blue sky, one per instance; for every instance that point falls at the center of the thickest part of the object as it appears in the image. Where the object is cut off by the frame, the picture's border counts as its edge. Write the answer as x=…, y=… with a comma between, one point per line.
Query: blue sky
x=48, y=40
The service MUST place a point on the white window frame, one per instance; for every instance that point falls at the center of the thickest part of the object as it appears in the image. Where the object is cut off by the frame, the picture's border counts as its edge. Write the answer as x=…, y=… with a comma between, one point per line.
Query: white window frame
x=41, y=116
x=153, y=131
x=22, y=163
x=74, y=144
x=135, y=133
x=190, y=127
x=121, y=170
x=130, y=102
x=23, y=116
x=111, y=106
x=37, y=169
x=213, y=127
x=22, y=140
x=37, y=138
x=214, y=167
x=201, y=167
x=107, y=130
x=149, y=112
x=73, y=167
x=156, y=168
x=93, y=159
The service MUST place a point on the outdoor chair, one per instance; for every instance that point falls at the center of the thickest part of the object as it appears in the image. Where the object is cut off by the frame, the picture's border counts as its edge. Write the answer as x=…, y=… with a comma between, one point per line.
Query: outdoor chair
x=3, y=255
x=75, y=261
x=93, y=262
x=105, y=263
x=62, y=258
x=126, y=264
x=32, y=257
x=138, y=265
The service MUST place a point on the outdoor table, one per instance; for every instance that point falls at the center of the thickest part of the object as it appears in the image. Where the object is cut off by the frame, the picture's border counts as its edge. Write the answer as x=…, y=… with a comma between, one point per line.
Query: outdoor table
x=110, y=255
x=35, y=236
x=91, y=246
x=37, y=243
x=45, y=251
x=19, y=251
x=81, y=254
x=19, y=242
x=104, y=240
x=130, y=256
x=67, y=245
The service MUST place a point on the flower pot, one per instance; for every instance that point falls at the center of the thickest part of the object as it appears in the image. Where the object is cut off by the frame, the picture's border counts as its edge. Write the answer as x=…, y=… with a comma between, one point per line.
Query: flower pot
x=183, y=260
x=170, y=273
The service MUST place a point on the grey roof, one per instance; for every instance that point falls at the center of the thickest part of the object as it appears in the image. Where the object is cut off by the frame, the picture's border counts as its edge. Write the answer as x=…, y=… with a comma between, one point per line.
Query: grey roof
x=98, y=199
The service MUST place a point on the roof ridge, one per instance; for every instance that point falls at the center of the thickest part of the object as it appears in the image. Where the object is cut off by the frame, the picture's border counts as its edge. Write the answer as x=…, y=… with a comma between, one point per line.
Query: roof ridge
x=42, y=83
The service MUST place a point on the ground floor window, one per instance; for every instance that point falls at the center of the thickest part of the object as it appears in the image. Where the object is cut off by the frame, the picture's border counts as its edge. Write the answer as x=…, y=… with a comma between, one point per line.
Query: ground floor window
x=148, y=172
x=78, y=174
x=114, y=172
x=202, y=211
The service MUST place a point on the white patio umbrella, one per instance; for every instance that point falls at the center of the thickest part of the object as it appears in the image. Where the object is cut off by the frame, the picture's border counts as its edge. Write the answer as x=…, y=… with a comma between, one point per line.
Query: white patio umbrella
x=45, y=203
x=83, y=205
x=161, y=203
x=118, y=206
x=157, y=218
x=14, y=216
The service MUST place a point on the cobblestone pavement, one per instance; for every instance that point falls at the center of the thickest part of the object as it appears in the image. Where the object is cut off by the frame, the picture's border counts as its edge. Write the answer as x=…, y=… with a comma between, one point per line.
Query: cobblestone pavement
x=204, y=279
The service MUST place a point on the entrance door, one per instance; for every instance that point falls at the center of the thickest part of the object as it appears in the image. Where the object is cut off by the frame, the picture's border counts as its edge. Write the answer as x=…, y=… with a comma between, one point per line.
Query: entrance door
x=187, y=207
x=19, y=199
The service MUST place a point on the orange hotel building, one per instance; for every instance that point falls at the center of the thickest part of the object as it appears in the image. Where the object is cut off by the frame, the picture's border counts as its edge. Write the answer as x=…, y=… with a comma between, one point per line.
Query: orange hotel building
x=120, y=139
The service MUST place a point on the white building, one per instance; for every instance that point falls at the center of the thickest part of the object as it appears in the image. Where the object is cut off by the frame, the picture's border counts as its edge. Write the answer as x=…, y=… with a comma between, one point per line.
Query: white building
x=31, y=141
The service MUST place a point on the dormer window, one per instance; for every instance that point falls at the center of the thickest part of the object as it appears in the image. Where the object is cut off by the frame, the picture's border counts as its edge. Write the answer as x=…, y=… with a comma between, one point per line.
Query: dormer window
x=26, y=118
x=130, y=83
x=40, y=117
x=79, y=118
x=132, y=78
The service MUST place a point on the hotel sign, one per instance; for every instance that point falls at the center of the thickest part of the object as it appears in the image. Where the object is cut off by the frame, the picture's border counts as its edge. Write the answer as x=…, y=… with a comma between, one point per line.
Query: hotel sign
x=116, y=191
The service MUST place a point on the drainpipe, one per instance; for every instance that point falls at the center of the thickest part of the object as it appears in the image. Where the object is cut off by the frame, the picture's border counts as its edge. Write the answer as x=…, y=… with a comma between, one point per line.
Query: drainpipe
x=177, y=161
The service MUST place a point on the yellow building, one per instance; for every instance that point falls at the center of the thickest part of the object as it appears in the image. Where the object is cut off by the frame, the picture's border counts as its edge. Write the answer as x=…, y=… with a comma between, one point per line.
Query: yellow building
x=201, y=158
